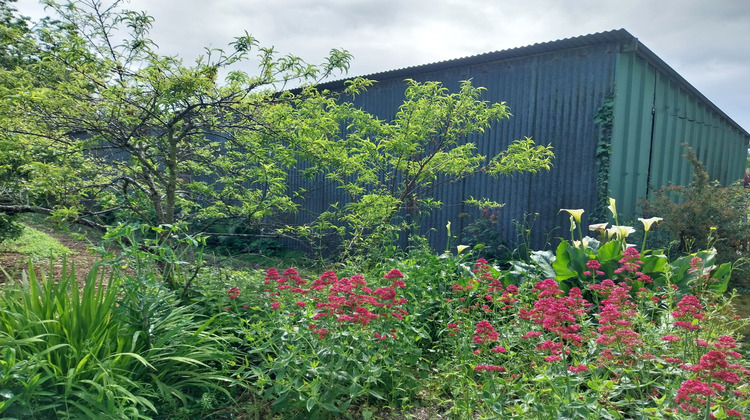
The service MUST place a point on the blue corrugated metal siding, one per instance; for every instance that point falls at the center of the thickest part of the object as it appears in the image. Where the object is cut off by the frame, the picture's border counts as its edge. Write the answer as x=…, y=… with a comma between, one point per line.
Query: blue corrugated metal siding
x=553, y=97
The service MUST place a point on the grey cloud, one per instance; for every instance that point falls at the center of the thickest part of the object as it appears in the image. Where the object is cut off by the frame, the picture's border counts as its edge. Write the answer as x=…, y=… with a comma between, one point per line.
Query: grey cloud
x=706, y=42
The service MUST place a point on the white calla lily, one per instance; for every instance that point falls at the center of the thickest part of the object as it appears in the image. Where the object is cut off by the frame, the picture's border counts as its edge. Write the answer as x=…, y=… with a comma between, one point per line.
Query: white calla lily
x=621, y=232
x=583, y=244
x=598, y=227
x=576, y=213
x=612, y=208
x=648, y=222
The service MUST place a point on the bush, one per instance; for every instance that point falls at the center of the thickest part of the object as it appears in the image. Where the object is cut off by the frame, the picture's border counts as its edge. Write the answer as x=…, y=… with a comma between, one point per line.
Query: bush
x=9, y=228
x=704, y=215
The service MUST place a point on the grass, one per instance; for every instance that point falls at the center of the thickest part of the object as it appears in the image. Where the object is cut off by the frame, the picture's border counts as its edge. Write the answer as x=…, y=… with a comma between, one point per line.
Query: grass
x=36, y=244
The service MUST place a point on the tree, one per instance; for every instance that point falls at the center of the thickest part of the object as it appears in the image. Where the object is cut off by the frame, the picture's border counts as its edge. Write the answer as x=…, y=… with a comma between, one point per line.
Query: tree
x=389, y=169
x=107, y=131
x=16, y=49
x=128, y=134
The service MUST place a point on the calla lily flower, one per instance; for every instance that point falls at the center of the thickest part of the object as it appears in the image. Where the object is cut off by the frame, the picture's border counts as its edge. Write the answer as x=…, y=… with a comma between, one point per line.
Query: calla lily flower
x=612, y=208
x=621, y=231
x=648, y=222
x=599, y=227
x=461, y=248
x=576, y=213
x=583, y=244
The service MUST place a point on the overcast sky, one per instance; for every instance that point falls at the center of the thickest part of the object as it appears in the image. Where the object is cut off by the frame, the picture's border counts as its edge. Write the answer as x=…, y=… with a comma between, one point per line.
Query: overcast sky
x=708, y=43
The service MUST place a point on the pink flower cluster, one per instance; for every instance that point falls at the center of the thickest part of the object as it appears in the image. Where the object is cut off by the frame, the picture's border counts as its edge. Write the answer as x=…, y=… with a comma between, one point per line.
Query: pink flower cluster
x=631, y=266
x=556, y=313
x=345, y=300
x=714, y=373
x=594, y=268
x=688, y=313
x=484, y=332
x=489, y=368
x=615, y=314
x=233, y=292
x=487, y=288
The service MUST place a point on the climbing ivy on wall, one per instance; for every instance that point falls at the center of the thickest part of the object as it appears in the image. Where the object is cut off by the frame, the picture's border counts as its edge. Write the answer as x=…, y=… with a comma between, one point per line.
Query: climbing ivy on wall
x=604, y=117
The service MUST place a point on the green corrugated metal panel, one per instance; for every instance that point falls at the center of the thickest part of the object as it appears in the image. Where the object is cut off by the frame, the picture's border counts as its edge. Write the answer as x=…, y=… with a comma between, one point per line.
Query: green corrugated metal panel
x=654, y=114
x=631, y=131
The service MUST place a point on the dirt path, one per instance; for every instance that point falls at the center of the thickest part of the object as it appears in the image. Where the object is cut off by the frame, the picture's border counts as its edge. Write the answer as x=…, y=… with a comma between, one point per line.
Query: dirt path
x=82, y=258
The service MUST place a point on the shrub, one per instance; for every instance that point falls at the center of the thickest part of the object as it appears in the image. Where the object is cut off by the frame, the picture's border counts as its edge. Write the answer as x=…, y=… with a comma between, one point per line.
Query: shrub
x=9, y=227
x=704, y=215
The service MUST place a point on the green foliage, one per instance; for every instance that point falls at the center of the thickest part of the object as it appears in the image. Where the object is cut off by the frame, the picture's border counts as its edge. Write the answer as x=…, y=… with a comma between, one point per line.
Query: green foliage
x=704, y=214
x=102, y=351
x=102, y=130
x=484, y=233
x=390, y=169
x=620, y=334
x=79, y=354
x=15, y=40
x=9, y=228
x=605, y=118
x=317, y=347
x=187, y=354
x=167, y=251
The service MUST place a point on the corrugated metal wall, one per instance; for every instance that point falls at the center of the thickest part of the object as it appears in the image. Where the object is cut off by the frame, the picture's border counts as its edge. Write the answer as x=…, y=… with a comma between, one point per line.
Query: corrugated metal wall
x=554, y=90
x=553, y=97
x=654, y=114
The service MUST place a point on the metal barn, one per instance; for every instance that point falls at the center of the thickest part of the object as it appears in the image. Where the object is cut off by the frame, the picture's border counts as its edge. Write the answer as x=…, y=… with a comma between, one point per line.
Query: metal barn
x=555, y=90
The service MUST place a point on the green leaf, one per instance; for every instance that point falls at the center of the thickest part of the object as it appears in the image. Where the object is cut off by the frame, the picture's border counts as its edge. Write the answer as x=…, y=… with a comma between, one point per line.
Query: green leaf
x=655, y=264
x=721, y=276
x=311, y=403
x=562, y=263
x=545, y=261
x=330, y=407
x=609, y=251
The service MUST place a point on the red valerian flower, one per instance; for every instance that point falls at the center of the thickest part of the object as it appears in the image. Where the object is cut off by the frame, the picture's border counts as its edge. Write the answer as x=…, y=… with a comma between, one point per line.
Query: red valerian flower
x=593, y=264
x=484, y=332
x=725, y=342
x=275, y=305
x=702, y=343
x=272, y=274
x=578, y=368
x=532, y=334
x=395, y=273
x=233, y=292
x=630, y=262
x=693, y=390
x=489, y=368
